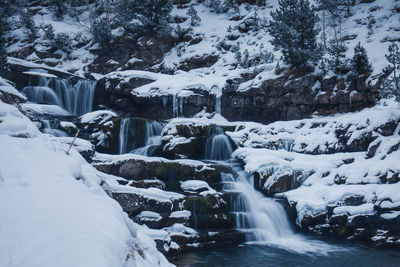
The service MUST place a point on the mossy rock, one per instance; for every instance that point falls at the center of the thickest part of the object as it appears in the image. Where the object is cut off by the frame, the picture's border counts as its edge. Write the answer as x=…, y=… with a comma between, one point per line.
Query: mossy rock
x=204, y=215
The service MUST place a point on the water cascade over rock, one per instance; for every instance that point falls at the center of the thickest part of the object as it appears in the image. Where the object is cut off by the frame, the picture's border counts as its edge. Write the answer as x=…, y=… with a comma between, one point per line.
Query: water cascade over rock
x=76, y=98
x=152, y=139
x=123, y=135
x=130, y=131
x=218, y=145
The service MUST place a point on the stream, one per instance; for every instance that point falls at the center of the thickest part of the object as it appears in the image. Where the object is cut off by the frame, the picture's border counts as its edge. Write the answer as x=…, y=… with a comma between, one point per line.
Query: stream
x=337, y=254
x=271, y=241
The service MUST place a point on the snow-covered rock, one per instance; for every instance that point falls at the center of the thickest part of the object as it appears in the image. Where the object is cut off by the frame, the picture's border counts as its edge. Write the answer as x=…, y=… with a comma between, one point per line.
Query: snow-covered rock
x=51, y=201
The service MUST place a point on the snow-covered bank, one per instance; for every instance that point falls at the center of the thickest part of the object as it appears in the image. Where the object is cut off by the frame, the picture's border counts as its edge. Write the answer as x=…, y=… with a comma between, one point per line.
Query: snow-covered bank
x=53, y=211
x=340, y=173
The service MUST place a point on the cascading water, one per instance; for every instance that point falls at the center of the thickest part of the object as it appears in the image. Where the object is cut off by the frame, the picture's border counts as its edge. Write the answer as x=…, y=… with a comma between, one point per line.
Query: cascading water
x=50, y=128
x=77, y=99
x=218, y=145
x=262, y=219
x=218, y=104
x=124, y=135
x=153, y=138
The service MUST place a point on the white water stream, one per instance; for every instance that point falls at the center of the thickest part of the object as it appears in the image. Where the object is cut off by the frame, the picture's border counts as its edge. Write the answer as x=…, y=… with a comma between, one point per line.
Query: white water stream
x=77, y=98
x=262, y=219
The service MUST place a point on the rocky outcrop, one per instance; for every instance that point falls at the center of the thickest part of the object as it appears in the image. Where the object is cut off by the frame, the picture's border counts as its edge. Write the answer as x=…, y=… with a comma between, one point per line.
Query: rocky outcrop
x=289, y=97
x=171, y=172
x=147, y=50
x=116, y=92
x=354, y=219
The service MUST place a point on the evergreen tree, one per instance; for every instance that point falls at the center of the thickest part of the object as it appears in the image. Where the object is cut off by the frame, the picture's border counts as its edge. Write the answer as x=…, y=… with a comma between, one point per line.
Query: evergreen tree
x=337, y=56
x=62, y=42
x=48, y=32
x=294, y=31
x=194, y=17
x=101, y=32
x=391, y=85
x=145, y=15
x=360, y=62
x=26, y=20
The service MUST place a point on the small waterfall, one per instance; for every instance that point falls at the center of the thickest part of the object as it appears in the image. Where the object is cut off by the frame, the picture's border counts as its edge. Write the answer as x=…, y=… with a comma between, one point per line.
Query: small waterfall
x=153, y=137
x=218, y=145
x=77, y=99
x=49, y=127
x=42, y=95
x=218, y=104
x=261, y=218
x=124, y=135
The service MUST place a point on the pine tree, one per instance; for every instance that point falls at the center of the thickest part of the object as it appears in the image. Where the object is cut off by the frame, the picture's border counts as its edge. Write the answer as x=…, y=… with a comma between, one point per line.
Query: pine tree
x=48, y=32
x=360, y=62
x=337, y=56
x=144, y=15
x=26, y=20
x=194, y=17
x=101, y=32
x=391, y=85
x=294, y=31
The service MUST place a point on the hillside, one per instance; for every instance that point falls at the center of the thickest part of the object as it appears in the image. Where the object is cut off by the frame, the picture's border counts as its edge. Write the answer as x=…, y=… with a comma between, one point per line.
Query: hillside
x=192, y=131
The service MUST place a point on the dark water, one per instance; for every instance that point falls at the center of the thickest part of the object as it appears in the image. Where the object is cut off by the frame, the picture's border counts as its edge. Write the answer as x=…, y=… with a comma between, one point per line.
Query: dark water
x=339, y=255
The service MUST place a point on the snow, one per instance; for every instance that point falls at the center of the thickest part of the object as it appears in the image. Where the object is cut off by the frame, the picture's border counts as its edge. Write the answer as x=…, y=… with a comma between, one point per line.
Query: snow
x=149, y=216
x=107, y=158
x=51, y=202
x=307, y=151
x=180, y=214
x=42, y=109
x=14, y=123
x=194, y=185
x=93, y=116
x=6, y=87
x=317, y=135
x=149, y=193
x=391, y=215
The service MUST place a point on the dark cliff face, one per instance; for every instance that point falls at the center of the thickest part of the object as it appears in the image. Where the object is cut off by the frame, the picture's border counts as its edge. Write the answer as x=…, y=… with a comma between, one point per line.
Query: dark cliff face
x=288, y=98
x=283, y=98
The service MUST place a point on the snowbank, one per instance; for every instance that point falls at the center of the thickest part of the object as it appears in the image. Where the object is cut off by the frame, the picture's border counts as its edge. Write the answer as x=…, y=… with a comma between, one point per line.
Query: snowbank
x=53, y=211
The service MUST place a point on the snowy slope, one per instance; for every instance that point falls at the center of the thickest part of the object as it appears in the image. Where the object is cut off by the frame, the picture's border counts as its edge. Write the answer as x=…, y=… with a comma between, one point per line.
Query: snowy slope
x=53, y=211
x=218, y=33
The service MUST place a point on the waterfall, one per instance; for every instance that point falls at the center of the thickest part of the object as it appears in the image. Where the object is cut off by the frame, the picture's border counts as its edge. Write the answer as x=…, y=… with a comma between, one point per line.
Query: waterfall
x=218, y=145
x=261, y=218
x=77, y=98
x=42, y=95
x=218, y=104
x=124, y=135
x=50, y=128
x=153, y=137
